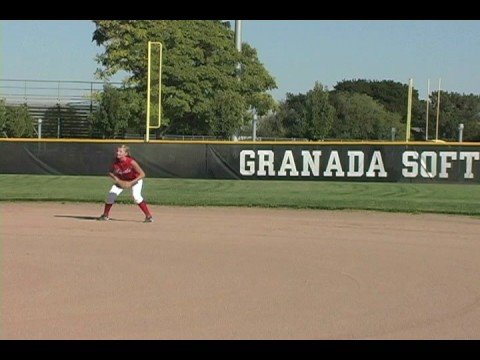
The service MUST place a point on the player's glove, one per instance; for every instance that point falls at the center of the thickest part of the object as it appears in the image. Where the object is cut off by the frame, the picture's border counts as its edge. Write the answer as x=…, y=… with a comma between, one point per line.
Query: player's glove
x=123, y=184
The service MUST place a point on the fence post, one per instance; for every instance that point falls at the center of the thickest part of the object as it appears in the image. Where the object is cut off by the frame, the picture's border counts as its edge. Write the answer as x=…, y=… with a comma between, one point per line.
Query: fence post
x=91, y=97
x=39, y=128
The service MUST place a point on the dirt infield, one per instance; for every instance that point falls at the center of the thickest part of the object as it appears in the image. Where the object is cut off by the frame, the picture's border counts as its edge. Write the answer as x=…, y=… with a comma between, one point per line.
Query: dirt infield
x=236, y=273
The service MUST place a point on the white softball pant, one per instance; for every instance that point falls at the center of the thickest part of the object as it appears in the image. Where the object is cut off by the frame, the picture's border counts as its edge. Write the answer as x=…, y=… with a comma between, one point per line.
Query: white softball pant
x=136, y=193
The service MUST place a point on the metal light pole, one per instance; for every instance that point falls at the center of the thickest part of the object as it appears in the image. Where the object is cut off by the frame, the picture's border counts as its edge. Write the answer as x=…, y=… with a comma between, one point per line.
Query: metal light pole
x=438, y=109
x=238, y=46
x=409, y=109
x=238, y=41
x=428, y=106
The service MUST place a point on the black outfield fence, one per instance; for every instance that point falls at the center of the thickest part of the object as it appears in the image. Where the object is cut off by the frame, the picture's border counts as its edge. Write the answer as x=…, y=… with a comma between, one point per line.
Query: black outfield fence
x=315, y=161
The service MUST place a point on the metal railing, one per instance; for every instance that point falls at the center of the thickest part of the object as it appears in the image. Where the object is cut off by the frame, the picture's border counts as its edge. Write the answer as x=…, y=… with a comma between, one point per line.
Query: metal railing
x=62, y=107
x=50, y=92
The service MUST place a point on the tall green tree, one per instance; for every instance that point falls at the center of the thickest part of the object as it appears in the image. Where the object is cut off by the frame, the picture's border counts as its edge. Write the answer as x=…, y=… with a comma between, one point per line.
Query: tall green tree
x=456, y=109
x=359, y=117
x=199, y=62
x=16, y=121
x=319, y=113
x=226, y=108
x=392, y=95
x=292, y=114
x=118, y=110
x=270, y=126
x=3, y=117
x=307, y=115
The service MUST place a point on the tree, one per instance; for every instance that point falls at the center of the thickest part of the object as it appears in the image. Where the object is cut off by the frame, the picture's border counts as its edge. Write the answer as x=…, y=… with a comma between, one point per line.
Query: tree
x=456, y=109
x=3, y=117
x=118, y=110
x=15, y=121
x=392, y=95
x=270, y=126
x=307, y=115
x=226, y=108
x=199, y=62
x=319, y=113
x=359, y=117
x=292, y=114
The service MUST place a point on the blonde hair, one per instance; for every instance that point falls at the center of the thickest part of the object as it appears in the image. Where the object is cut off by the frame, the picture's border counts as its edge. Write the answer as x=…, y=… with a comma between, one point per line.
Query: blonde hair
x=125, y=148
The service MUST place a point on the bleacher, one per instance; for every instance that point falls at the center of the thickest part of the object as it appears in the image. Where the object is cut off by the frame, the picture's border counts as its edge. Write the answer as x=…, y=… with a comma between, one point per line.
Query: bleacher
x=63, y=121
x=63, y=107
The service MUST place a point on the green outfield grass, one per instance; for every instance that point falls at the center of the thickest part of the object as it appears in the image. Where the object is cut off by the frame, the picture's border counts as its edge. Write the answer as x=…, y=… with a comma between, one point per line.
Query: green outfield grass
x=392, y=197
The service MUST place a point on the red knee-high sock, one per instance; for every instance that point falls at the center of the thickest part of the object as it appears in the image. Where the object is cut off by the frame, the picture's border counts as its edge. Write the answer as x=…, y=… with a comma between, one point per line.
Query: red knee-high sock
x=107, y=208
x=144, y=207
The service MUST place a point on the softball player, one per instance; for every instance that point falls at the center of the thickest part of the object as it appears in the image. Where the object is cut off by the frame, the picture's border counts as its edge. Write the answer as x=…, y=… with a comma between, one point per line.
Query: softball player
x=127, y=174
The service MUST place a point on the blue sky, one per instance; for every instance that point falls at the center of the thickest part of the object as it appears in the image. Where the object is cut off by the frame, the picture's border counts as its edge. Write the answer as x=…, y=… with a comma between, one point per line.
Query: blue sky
x=297, y=53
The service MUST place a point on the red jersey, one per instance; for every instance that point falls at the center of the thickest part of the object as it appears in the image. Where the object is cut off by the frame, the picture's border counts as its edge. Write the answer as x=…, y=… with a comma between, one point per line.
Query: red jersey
x=124, y=169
